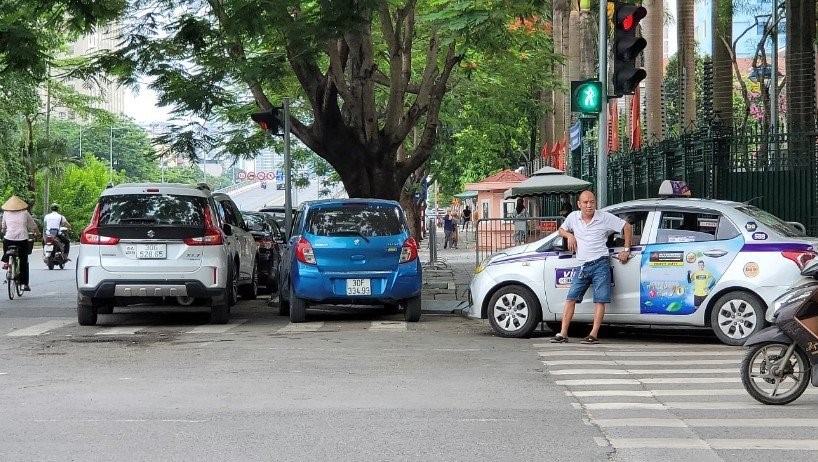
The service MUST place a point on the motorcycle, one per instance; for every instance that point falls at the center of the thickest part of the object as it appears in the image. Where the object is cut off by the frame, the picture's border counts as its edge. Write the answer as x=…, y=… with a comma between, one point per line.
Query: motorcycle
x=783, y=358
x=53, y=251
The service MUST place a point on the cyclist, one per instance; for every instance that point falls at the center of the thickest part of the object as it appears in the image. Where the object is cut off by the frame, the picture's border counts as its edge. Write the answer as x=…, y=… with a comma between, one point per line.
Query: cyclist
x=16, y=224
x=52, y=223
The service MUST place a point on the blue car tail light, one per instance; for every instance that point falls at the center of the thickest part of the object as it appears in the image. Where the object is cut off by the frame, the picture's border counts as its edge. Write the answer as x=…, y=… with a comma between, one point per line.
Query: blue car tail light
x=304, y=252
x=409, y=251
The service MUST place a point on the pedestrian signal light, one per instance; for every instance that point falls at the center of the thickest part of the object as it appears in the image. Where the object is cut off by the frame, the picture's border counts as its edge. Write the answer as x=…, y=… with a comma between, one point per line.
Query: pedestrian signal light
x=626, y=48
x=269, y=121
x=586, y=96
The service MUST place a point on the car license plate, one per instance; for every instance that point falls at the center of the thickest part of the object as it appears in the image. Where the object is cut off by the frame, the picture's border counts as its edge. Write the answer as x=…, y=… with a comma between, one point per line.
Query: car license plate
x=358, y=287
x=48, y=248
x=148, y=251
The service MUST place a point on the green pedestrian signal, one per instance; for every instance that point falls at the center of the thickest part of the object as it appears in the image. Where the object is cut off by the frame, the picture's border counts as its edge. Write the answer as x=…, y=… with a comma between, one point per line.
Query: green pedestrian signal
x=586, y=96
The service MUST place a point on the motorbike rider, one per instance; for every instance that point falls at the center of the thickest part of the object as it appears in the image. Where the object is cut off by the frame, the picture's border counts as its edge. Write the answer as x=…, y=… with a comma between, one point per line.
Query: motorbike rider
x=52, y=223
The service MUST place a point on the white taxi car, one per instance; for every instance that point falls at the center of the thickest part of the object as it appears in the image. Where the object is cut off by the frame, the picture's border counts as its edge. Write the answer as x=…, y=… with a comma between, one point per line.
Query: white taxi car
x=695, y=262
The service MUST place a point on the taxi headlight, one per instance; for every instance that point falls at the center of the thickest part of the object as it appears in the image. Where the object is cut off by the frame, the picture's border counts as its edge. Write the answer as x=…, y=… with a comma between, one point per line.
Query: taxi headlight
x=486, y=261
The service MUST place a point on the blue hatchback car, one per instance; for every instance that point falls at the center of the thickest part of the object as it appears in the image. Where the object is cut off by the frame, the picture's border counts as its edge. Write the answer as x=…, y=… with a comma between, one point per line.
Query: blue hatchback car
x=350, y=251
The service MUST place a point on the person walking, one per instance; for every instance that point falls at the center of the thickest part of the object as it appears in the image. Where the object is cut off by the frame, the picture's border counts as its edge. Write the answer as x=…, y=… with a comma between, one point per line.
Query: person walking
x=466, y=218
x=455, y=226
x=521, y=222
x=16, y=224
x=448, y=226
x=587, y=230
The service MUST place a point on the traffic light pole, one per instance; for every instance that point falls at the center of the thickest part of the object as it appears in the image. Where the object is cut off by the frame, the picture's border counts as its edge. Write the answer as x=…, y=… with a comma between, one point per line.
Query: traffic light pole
x=602, y=127
x=288, y=201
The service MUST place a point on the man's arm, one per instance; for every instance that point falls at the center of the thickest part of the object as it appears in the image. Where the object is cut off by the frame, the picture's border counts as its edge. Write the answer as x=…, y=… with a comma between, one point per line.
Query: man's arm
x=568, y=236
x=627, y=232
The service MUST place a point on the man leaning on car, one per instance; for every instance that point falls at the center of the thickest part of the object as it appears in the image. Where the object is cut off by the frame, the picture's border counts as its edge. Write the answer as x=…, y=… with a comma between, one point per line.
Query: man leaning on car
x=587, y=231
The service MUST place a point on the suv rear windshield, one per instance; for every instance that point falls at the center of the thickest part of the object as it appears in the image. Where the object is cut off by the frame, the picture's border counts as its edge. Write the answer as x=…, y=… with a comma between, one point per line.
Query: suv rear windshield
x=360, y=219
x=159, y=209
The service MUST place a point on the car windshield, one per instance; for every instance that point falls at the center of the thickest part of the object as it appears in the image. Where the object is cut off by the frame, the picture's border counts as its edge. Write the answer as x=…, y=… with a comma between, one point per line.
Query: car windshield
x=254, y=222
x=771, y=221
x=158, y=209
x=365, y=220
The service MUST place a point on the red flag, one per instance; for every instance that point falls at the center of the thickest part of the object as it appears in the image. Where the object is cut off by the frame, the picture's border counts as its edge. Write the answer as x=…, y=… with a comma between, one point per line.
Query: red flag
x=636, y=127
x=613, y=127
x=555, y=153
x=545, y=151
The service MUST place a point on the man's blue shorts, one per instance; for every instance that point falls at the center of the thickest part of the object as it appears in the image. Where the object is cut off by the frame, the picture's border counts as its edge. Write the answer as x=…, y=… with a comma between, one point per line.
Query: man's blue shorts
x=596, y=272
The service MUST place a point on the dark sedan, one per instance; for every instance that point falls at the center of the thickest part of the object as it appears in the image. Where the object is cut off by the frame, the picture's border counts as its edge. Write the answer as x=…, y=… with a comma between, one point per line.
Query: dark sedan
x=268, y=235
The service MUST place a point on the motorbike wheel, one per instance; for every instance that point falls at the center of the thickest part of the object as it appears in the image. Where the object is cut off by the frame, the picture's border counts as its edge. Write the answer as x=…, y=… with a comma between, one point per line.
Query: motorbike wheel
x=50, y=264
x=768, y=380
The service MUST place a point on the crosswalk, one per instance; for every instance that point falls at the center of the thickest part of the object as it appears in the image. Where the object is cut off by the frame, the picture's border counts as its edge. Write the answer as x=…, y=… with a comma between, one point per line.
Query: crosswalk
x=55, y=326
x=650, y=398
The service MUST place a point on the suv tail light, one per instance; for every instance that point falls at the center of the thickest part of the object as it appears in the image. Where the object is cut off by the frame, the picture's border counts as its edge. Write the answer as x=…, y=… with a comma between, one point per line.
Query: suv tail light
x=409, y=251
x=212, y=234
x=304, y=253
x=90, y=235
x=799, y=257
x=265, y=242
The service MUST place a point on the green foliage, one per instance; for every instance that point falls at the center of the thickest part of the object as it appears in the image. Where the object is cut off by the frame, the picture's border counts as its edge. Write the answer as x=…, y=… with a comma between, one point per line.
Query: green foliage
x=78, y=190
x=672, y=89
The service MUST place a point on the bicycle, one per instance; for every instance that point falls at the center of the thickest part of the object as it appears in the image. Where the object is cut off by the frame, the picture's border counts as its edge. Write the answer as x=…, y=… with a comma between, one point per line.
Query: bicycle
x=13, y=273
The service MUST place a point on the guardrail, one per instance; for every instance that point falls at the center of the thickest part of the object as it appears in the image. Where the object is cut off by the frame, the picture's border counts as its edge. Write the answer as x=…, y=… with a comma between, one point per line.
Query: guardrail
x=234, y=187
x=492, y=235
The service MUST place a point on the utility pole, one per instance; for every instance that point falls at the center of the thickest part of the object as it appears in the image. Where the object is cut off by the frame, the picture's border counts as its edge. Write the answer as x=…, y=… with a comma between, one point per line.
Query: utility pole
x=288, y=200
x=602, y=123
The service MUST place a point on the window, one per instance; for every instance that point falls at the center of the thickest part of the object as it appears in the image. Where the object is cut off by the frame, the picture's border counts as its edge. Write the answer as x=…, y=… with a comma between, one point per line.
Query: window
x=355, y=219
x=679, y=227
x=160, y=209
x=637, y=219
x=509, y=209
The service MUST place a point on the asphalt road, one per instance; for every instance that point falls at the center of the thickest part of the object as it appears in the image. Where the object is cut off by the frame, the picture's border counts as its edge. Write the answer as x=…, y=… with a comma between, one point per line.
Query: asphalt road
x=162, y=384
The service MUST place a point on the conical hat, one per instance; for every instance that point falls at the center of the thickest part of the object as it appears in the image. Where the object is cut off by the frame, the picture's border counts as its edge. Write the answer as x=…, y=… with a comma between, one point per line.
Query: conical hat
x=14, y=204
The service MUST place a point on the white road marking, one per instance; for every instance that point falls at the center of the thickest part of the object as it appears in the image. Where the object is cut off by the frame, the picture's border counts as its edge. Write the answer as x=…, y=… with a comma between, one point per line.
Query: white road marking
x=608, y=406
x=625, y=362
x=693, y=380
x=301, y=327
x=717, y=444
x=640, y=371
x=640, y=422
x=581, y=382
x=41, y=328
x=670, y=355
x=216, y=328
x=764, y=423
x=651, y=393
x=126, y=330
x=388, y=325
x=732, y=405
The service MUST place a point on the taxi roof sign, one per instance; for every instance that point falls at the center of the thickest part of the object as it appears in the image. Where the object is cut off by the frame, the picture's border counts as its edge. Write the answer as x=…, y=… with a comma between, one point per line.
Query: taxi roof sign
x=673, y=188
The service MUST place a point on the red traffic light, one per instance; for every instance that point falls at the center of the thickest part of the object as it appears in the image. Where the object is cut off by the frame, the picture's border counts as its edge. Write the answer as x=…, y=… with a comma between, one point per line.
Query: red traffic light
x=627, y=17
x=268, y=120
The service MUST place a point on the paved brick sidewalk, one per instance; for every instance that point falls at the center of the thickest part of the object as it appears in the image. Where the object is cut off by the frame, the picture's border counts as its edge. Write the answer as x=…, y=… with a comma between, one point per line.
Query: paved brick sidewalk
x=446, y=280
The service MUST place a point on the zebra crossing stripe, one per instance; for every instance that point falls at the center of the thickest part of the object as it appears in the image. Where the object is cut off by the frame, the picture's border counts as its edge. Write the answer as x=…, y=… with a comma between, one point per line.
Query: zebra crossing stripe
x=125, y=330
x=717, y=444
x=216, y=328
x=640, y=422
x=41, y=328
x=637, y=362
x=638, y=371
x=670, y=355
x=388, y=325
x=301, y=327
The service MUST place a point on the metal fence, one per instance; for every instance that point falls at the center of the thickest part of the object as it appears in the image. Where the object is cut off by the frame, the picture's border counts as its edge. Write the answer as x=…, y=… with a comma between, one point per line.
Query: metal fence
x=774, y=173
x=494, y=234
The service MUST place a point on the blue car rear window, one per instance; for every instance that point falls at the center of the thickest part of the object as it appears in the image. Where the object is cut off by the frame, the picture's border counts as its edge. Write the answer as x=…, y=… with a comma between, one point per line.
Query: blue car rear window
x=355, y=219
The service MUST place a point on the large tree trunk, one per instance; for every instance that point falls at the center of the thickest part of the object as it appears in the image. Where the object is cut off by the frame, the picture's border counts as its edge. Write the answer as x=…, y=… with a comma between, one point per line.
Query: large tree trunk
x=653, y=31
x=588, y=45
x=722, y=20
x=687, y=66
x=800, y=69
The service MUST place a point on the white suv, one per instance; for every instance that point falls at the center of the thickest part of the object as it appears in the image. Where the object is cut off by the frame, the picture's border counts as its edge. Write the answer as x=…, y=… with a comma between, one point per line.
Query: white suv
x=156, y=242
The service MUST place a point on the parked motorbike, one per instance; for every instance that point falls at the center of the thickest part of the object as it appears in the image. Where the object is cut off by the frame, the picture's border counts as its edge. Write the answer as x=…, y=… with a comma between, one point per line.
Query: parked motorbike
x=53, y=251
x=783, y=358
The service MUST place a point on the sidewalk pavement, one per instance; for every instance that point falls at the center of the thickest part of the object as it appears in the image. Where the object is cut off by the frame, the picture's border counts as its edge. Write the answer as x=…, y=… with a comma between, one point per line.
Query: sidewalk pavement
x=446, y=280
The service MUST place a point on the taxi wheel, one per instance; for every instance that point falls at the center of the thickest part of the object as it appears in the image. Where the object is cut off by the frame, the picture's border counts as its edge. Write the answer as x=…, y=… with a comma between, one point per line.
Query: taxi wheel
x=736, y=316
x=514, y=312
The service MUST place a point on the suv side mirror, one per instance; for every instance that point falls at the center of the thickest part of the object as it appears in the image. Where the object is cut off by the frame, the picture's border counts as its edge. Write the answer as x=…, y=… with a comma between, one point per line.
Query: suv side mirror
x=228, y=229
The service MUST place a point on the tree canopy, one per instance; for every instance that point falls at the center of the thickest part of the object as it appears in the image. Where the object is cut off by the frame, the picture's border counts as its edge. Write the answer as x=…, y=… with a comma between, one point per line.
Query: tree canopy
x=363, y=75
